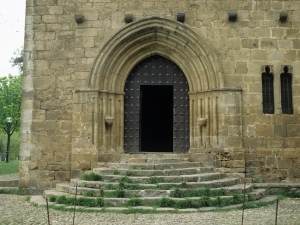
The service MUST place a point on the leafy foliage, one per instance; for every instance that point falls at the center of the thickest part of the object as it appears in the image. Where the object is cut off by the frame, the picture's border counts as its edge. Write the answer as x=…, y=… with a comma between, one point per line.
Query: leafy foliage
x=2, y=149
x=14, y=146
x=10, y=102
x=18, y=59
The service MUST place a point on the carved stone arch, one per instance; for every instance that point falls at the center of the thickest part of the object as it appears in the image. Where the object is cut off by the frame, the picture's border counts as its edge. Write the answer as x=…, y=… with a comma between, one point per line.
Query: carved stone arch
x=181, y=45
x=156, y=36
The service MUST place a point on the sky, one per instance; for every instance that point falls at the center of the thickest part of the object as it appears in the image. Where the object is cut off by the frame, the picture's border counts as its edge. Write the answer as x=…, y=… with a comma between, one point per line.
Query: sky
x=12, y=23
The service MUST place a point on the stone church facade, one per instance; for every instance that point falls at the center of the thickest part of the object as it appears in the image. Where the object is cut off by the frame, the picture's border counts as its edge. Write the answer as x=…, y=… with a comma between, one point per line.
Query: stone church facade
x=113, y=81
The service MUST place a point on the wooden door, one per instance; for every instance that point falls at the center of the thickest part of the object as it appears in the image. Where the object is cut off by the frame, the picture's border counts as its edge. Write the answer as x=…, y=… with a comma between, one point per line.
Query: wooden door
x=150, y=82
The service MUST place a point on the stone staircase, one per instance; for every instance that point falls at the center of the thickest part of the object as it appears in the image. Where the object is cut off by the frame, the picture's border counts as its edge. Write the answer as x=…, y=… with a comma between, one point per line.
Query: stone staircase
x=9, y=182
x=149, y=184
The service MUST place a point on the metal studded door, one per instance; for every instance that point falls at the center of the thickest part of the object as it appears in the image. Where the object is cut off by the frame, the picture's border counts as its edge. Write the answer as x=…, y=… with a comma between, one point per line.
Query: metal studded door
x=156, y=71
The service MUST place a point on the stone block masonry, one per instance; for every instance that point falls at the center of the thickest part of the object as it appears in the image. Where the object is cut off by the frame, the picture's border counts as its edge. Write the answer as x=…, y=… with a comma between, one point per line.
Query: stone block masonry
x=75, y=74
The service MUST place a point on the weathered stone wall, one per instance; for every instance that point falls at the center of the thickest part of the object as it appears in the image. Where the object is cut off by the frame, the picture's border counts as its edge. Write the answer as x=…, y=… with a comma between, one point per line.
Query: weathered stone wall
x=64, y=130
x=48, y=84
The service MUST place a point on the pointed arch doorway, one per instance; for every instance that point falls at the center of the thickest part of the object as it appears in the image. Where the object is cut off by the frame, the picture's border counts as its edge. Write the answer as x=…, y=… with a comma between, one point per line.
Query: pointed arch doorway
x=156, y=108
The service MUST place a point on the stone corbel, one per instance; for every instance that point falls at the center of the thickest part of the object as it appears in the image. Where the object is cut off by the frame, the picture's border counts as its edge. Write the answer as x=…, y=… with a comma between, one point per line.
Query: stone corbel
x=201, y=121
x=109, y=120
x=79, y=19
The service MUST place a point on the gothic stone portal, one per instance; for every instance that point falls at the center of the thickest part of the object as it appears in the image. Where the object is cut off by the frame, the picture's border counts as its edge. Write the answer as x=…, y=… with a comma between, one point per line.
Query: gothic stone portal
x=156, y=108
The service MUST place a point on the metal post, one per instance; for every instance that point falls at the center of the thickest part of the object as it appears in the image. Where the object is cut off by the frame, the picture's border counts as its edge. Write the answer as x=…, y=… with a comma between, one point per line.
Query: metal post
x=244, y=203
x=75, y=205
x=48, y=211
x=276, y=212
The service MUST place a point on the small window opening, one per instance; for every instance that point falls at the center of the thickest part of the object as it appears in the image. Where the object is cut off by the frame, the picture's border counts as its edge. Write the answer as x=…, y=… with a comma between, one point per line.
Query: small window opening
x=286, y=91
x=267, y=91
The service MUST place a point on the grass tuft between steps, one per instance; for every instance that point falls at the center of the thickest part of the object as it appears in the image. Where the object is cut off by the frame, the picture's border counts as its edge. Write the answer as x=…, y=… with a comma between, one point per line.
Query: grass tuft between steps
x=288, y=192
x=178, y=193
x=134, y=202
x=155, y=180
x=91, y=177
x=18, y=191
x=116, y=194
x=88, y=202
x=205, y=201
x=189, y=203
x=125, y=179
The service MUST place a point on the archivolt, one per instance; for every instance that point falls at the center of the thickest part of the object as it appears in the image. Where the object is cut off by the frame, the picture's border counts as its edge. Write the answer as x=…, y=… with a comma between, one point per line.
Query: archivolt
x=156, y=36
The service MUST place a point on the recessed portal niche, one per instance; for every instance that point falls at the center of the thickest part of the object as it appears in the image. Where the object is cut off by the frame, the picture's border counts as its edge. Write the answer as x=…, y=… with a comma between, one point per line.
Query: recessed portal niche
x=156, y=108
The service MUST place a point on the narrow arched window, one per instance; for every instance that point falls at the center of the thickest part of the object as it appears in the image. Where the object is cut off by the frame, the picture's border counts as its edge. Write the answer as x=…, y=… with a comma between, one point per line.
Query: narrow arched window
x=268, y=91
x=286, y=91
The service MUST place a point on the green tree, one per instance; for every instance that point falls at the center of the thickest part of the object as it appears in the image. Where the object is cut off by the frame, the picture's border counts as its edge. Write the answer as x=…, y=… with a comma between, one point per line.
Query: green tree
x=10, y=103
x=14, y=151
x=18, y=58
x=1, y=148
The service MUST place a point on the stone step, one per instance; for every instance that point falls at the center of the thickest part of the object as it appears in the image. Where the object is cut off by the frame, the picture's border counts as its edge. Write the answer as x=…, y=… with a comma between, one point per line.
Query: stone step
x=239, y=188
x=9, y=183
x=153, y=160
x=153, y=166
x=259, y=193
x=117, y=202
x=267, y=199
x=163, y=172
x=224, y=182
x=218, y=183
x=145, y=201
x=154, y=157
x=8, y=189
x=63, y=187
x=155, y=192
x=48, y=193
x=167, y=179
x=275, y=188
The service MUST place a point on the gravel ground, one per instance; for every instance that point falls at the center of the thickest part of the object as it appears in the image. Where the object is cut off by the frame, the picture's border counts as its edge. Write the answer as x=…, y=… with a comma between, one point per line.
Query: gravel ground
x=15, y=210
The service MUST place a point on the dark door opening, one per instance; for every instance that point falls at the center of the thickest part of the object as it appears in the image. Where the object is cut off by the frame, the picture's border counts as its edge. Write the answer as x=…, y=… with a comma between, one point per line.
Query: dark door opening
x=156, y=118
